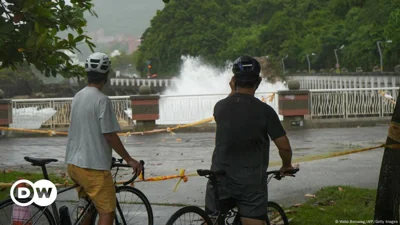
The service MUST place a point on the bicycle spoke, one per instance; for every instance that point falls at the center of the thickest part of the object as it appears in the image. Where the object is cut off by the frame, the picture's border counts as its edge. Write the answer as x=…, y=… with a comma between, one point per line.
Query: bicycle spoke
x=190, y=219
x=128, y=202
x=132, y=208
x=23, y=215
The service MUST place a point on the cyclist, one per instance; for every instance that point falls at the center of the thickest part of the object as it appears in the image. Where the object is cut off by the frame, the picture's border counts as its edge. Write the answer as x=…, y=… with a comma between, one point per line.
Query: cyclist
x=91, y=137
x=244, y=126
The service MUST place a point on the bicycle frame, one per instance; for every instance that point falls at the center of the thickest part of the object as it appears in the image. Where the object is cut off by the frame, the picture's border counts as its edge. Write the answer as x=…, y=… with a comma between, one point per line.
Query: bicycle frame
x=221, y=217
x=54, y=208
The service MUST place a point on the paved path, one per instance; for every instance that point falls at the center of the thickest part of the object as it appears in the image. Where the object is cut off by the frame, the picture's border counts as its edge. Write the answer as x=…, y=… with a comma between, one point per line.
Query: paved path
x=165, y=153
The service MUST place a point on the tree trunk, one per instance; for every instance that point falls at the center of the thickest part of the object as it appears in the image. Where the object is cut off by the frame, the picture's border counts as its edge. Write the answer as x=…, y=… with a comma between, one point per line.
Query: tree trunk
x=388, y=192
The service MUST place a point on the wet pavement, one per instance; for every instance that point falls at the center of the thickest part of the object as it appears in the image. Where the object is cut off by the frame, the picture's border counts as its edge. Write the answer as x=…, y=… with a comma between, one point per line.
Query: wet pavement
x=165, y=153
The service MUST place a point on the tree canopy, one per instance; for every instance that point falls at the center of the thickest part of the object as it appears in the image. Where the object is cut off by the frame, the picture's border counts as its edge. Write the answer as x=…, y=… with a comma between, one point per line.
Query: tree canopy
x=220, y=30
x=30, y=33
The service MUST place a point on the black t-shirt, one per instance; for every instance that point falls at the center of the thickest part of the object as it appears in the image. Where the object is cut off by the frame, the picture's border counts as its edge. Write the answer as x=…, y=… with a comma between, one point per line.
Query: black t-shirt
x=244, y=126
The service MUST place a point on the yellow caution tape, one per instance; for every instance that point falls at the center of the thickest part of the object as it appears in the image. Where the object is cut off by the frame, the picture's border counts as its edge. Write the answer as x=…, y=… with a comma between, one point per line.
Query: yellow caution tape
x=127, y=134
x=182, y=176
x=384, y=95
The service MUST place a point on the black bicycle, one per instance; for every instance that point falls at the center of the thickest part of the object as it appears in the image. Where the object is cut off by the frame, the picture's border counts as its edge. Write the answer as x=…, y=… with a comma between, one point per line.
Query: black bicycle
x=276, y=215
x=37, y=215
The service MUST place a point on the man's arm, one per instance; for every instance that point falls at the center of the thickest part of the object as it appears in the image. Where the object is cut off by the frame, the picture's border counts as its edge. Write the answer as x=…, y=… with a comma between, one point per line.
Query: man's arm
x=278, y=135
x=110, y=126
x=285, y=150
x=115, y=143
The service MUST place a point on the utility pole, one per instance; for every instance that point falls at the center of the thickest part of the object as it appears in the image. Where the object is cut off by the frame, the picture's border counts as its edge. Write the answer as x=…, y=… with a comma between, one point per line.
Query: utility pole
x=148, y=62
x=309, y=64
x=283, y=64
x=378, y=43
x=337, y=59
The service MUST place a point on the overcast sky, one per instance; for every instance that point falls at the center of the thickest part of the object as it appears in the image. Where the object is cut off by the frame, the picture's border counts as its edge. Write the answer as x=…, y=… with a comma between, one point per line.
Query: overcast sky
x=123, y=16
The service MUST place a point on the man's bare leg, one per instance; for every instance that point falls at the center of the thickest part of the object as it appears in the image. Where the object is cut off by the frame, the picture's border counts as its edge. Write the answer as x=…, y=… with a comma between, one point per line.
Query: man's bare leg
x=248, y=221
x=106, y=218
x=87, y=220
x=88, y=217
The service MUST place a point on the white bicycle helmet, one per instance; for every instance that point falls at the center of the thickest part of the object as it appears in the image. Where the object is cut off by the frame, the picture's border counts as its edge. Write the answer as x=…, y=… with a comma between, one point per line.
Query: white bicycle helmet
x=98, y=62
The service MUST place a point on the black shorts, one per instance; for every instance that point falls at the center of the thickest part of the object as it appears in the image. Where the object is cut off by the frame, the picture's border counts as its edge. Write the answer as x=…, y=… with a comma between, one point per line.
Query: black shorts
x=250, y=205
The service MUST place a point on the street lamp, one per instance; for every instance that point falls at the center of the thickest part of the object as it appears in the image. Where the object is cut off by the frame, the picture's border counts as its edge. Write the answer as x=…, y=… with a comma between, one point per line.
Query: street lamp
x=283, y=63
x=309, y=64
x=337, y=59
x=378, y=43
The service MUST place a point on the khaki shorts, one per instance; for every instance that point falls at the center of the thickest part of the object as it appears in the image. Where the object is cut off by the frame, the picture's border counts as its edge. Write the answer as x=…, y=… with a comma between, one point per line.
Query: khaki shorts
x=98, y=185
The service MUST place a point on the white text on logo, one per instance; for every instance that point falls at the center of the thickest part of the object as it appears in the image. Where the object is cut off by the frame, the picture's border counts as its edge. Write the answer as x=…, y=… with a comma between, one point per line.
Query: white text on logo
x=45, y=193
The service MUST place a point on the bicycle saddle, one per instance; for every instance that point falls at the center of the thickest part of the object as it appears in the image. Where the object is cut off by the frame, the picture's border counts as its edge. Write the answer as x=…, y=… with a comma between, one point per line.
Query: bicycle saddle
x=39, y=161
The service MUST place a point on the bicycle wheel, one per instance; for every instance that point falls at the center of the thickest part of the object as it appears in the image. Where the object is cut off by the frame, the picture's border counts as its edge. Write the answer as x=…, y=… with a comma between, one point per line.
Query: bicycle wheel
x=36, y=214
x=198, y=214
x=125, y=211
x=276, y=214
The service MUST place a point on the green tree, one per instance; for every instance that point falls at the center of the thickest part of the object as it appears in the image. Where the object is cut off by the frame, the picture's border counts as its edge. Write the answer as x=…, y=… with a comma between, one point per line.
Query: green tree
x=220, y=30
x=29, y=33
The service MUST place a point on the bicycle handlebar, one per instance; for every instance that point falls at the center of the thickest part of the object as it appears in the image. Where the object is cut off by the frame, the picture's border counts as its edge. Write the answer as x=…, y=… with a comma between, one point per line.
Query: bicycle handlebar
x=277, y=173
x=120, y=164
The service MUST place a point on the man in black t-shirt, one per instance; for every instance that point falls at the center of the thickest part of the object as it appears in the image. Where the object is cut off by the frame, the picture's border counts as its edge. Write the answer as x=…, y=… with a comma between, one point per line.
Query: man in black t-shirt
x=244, y=128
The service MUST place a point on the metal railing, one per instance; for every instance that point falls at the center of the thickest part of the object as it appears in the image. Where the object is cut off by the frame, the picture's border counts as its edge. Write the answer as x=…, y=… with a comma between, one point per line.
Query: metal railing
x=139, y=82
x=350, y=103
x=328, y=103
x=51, y=112
x=181, y=109
x=346, y=82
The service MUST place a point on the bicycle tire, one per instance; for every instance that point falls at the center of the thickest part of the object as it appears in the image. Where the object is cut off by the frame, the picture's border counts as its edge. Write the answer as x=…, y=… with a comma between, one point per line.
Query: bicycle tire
x=46, y=212
x=281, y=212
x=142, y=197
x=189, y=209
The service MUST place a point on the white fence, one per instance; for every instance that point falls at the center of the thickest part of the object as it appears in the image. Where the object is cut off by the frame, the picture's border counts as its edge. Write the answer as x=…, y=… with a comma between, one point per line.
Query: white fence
x=140, y=82
x=175, y=109
x=347, y=103
x=331, y=103
x=346, y=82
x=33, y=113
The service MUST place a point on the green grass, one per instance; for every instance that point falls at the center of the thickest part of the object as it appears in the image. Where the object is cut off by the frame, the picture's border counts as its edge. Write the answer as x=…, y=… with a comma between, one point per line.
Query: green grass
x=330, y=205
x=11, y=177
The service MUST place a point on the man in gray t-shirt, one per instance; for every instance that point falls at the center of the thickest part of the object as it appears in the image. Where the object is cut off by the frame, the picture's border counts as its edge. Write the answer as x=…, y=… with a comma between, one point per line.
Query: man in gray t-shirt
x=91, y=137
x=92, y=116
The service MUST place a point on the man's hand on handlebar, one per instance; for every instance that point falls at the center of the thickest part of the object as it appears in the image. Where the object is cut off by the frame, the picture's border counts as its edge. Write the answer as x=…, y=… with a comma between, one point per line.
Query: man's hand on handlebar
x=136, y=166
x=284, y=169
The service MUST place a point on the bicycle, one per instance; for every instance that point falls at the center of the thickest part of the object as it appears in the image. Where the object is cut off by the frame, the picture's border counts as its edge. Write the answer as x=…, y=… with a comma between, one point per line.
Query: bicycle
x=62, y=216
x=222, y=218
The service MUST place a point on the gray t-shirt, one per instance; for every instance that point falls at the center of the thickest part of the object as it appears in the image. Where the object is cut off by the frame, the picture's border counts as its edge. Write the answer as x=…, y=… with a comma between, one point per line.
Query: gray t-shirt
x=92, y=116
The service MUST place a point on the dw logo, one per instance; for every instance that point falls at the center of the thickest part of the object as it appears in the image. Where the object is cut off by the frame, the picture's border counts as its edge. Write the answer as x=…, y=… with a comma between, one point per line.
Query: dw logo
x=44, y=192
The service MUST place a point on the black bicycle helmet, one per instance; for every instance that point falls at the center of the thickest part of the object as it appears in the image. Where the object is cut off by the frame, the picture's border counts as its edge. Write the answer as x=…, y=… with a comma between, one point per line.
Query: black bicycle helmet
x=246, y=68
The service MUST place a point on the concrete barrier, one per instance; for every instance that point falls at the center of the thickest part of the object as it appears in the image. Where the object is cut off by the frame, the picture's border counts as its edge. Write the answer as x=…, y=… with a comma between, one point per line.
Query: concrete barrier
x=5, y=112
x=145, y=108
